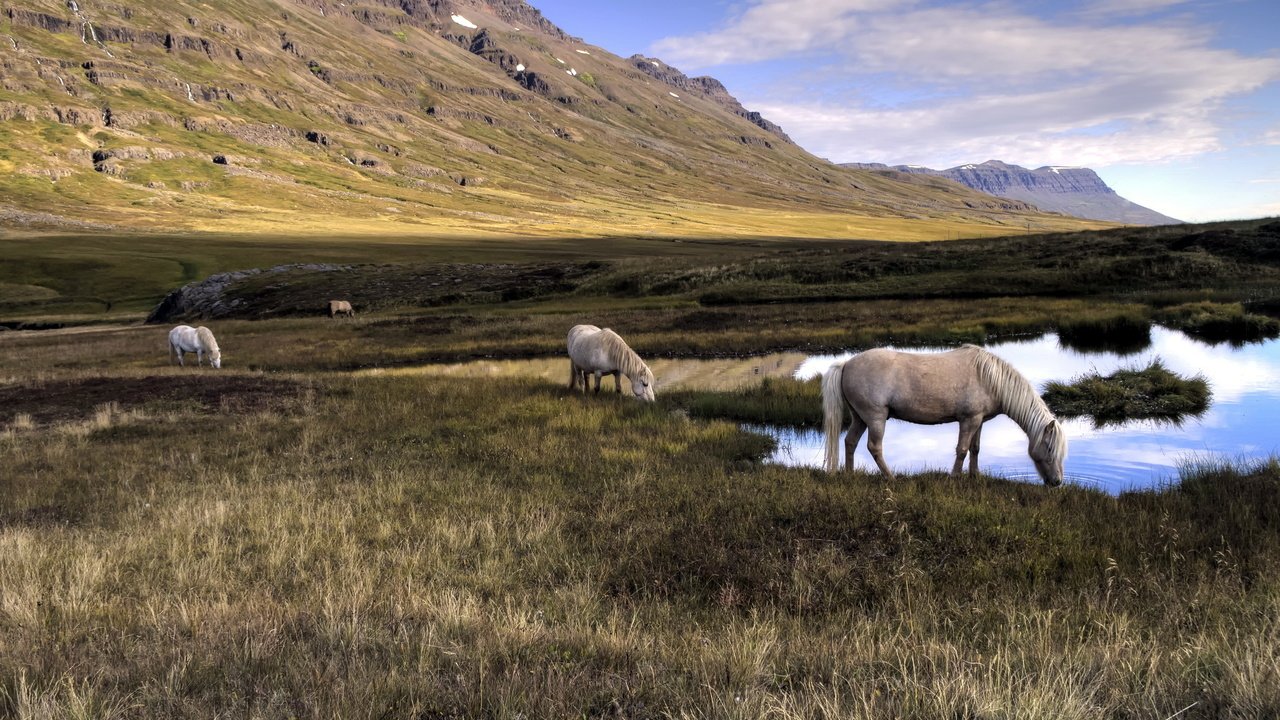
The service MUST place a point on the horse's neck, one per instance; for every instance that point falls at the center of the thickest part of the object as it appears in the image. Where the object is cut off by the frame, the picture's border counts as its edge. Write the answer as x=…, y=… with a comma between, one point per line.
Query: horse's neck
x=628, y=362
x=1027, y=410
x=1017, y=398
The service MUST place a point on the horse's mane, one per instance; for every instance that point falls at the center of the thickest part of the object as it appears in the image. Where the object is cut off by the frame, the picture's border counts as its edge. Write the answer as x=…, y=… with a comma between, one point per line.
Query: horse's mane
x=206, y=339
x=1017, y=396
x=622, y=356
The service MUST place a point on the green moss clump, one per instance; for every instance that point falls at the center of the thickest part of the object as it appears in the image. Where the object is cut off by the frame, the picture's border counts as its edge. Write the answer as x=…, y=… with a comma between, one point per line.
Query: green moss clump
x=1153, y=392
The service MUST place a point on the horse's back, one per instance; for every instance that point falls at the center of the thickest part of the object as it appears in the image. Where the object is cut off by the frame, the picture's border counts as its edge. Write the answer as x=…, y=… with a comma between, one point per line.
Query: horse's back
x=182, y=335
x=588, y=348
x=919, y=387
x=578, y=331
x=579, y=334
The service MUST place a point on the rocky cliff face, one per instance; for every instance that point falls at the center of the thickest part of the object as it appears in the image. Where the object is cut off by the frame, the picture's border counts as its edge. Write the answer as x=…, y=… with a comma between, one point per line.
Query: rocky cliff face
x=1075, y=191
x=428, y=113
x=707, y=87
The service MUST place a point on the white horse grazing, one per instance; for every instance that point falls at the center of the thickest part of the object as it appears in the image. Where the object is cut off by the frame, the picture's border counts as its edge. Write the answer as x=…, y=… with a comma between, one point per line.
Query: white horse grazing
x=593, y=351
x=199, y=340
x=968, y=385
x=341, y=307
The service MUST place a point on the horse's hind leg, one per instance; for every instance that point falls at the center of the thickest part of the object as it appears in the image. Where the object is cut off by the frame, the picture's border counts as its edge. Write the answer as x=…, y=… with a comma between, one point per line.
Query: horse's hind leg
x=851, y=439
x=875, y=444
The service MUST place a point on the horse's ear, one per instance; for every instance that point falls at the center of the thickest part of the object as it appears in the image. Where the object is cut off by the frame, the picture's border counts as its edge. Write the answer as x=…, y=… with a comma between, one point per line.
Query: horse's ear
x=1051, y=435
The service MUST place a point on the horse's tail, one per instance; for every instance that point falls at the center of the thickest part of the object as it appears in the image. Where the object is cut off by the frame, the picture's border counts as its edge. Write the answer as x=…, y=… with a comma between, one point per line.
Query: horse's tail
x=573, y=375
x=832, y=415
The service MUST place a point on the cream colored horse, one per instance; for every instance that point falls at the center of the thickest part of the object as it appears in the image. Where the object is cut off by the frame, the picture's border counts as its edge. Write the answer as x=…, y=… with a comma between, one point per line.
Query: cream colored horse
x=593, y=351
x=341, y=307
x=968, y=385
x=199, y=340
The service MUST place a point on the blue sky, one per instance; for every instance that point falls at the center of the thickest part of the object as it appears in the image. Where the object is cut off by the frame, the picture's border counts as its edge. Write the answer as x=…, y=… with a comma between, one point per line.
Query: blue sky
x=1175, y=103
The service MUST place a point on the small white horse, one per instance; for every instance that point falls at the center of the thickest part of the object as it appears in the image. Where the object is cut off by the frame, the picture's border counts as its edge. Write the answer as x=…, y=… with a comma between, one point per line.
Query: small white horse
x=341, y=307
x=968, y=385
x=593, y=351
x=199, y=340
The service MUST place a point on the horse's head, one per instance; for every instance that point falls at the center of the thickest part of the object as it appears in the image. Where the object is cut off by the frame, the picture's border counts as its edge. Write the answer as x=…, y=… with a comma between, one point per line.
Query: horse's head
x=642, y=384
x=215, y=359
x=1048, y=450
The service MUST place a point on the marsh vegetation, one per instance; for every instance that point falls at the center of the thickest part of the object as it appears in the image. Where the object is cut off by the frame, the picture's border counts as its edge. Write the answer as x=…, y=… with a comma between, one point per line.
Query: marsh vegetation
x=371, y=547
x=1135, y=393
x=278, y=539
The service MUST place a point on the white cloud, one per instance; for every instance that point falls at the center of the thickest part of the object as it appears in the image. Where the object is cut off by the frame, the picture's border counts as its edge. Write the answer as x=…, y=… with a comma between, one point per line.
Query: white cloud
x=988, y=81
x=1130, y=7
x=774, y=28
x=1044, y=129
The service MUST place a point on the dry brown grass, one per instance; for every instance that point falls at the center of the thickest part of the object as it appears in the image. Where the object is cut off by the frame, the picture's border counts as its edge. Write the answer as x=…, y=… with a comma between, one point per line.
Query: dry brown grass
x=416, y=546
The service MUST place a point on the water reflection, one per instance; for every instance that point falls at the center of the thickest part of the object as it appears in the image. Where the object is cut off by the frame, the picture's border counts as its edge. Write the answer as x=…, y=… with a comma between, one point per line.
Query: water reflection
x=1119, y=338
x=1239, y=425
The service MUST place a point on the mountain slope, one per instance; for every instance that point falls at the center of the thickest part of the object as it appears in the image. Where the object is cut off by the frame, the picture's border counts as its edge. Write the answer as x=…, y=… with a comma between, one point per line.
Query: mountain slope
x=1075, y=191
x=414, y=116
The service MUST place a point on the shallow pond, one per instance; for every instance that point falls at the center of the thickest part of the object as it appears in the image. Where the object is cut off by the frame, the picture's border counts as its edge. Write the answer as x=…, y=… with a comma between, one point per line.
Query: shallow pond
x=1241, y=422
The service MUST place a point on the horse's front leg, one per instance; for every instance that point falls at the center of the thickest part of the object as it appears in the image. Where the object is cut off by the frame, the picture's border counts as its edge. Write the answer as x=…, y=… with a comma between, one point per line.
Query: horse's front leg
x=598, y=375
x=973, y=451
x=970, y=427
x=617, y=381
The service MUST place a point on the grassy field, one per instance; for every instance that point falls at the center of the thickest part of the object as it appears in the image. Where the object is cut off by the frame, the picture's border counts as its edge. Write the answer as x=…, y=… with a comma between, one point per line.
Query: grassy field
x=284, y=538
x=104, y=277
x=188, y=544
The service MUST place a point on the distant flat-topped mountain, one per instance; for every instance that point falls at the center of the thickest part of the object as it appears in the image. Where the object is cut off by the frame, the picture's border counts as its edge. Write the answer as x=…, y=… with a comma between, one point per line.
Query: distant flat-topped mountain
x=1075, y=191
x=416, y=116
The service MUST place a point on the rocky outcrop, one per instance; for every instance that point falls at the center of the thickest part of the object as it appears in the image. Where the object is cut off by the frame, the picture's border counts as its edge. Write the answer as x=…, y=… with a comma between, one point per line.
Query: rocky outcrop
x=1075, y=191
x=207, y=299
x=707, y=87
